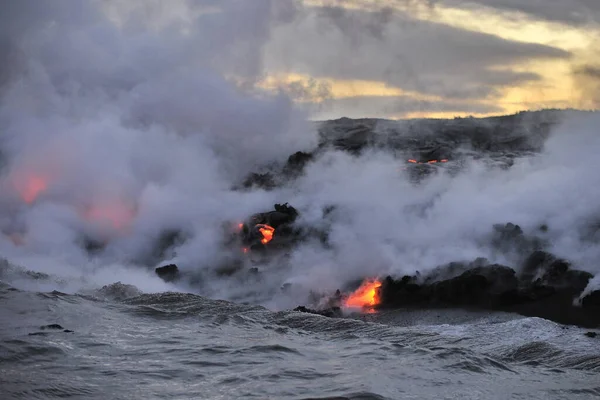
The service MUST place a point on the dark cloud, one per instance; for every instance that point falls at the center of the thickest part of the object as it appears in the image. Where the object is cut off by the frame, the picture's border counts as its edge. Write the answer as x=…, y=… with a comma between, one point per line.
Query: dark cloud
x=374, y=23
x=74, y=41
x=398, y=106
x=574, y=12
x=587, y=81
x=415, y=55
x=589, y=71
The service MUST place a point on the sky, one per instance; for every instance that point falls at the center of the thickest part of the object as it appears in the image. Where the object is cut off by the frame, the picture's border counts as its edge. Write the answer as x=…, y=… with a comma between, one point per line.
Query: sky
x=380, y=58
x=437, y=58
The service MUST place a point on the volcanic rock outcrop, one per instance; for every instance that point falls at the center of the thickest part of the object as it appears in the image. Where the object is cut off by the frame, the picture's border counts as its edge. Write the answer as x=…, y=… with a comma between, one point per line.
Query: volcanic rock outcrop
x=542, y=285
x=498, y=140
x=273, y=228
x=592, y=301
x=293, y=168
x=547, y=287
x=168, y=273
x=429, y=139
x=331, y=312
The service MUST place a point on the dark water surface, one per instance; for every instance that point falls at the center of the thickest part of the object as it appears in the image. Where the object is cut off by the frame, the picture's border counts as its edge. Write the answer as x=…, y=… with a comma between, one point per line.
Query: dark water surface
x=181, y=346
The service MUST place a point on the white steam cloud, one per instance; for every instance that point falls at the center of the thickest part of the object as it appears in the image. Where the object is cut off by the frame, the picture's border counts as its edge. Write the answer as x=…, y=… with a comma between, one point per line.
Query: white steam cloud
x=120, y=120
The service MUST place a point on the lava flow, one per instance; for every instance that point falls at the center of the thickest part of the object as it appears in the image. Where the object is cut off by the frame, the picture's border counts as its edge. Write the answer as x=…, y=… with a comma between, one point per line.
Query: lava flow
x=413, y=161
x=267, y=233
x=367, y=295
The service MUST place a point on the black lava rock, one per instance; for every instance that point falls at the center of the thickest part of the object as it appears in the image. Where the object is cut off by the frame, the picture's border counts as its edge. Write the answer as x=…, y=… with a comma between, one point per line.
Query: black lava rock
x=405, y=291
x=92, y=245
x=282, y=219
x=536, y=264
x=547, y=288
x=511, y=238
x=524, y=131
x=283, y=214
x=453, y=269
x=481, y=286
x=333, y=312
x=263, y=181
x=168, y=273
x=542, y=269
x=51, y=326
x=296, y=163
x=592, y=300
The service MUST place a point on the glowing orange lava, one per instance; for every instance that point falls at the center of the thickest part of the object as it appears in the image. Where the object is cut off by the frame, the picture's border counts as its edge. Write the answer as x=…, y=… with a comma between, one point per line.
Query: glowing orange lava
x=366, y=295
x=428, y=162
x=31, y=187
x=267, y=233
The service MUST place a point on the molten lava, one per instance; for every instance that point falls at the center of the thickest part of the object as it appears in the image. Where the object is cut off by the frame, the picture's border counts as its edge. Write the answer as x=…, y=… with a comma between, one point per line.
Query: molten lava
x=412, y=161
x=367, y=295
x=267, y=233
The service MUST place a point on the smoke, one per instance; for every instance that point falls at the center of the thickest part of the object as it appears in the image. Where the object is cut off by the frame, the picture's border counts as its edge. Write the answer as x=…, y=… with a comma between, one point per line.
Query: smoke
x=124, y=120
x=121, y=120
x=586, y=80
x=386, y=225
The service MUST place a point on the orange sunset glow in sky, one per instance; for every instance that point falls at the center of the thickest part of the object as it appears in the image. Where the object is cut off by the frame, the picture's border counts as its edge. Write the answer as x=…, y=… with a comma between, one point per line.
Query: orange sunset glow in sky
x=437, y=58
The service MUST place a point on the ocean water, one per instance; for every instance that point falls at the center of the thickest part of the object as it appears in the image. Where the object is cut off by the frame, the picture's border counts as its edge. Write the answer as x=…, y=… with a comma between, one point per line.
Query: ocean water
x=184, y=346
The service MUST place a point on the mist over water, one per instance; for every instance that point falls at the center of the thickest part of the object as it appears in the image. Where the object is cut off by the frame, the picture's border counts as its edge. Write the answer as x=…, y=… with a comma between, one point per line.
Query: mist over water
x=121, y=127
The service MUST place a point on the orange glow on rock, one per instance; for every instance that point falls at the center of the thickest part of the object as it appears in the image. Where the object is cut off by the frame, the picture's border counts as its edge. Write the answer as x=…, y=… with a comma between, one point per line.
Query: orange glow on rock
x=267, y=233
x=428, y=162
x=366, y=295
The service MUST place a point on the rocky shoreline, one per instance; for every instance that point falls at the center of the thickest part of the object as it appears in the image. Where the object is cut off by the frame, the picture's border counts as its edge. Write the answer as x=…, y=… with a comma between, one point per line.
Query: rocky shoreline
x=546, y=287
x=539, y=284
x=501, y=139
